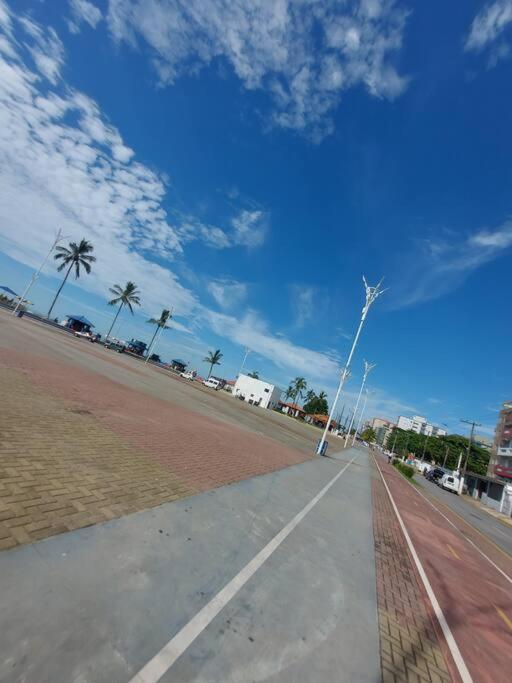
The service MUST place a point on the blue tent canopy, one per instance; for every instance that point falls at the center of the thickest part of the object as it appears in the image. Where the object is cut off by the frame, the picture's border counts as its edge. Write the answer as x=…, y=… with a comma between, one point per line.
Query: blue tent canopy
x=80, y=319
x=8, y=290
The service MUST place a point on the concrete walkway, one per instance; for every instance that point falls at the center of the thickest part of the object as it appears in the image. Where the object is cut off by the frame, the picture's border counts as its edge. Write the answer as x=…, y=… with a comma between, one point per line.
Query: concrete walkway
x=99, y=603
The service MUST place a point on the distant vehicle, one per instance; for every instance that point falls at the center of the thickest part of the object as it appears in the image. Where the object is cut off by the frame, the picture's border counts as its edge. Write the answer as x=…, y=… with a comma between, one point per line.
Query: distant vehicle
x=86, y=335
x=435, y=474
x=115, y=345
x=422, y=467
x=450, y=482
x=190, y=375
x=213, y=383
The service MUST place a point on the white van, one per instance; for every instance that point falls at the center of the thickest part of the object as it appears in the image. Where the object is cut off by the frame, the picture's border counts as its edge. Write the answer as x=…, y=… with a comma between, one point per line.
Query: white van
x=450, y=482
x=212, y=383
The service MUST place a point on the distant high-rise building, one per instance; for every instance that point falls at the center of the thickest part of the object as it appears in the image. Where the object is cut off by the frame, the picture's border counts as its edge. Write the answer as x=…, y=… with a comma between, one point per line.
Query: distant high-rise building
x=500, y=462
x=419, y=425
x=382, y=429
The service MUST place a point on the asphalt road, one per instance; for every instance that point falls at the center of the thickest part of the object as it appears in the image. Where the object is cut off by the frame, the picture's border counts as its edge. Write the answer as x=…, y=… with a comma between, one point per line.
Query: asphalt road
x=488, y=525
x=99, y=604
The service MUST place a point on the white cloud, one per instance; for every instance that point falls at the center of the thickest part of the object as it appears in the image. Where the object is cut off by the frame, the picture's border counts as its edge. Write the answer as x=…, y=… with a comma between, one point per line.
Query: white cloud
x=303, y=301
x=46, y=49
x=228, y=293
x=304, y=54
x=83, y=11
x=440, y=266
x=64, y=165
x=488, y=27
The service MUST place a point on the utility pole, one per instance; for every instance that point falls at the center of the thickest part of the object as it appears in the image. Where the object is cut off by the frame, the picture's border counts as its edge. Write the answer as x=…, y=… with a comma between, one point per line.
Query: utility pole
x=372, y=293
x=446, y=455
x=368, y=367
x=471, y=434
x=35, y=275
x=247, y=351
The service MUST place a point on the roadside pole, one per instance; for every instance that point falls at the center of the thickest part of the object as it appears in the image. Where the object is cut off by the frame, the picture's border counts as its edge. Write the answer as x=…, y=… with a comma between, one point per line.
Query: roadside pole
x=35, y=275
x=466, y=461
x=360, y=417
x=372, y=293
x=367, y=369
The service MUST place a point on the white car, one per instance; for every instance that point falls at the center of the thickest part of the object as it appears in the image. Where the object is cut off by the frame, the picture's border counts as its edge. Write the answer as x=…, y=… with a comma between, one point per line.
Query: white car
x=188, y=375
x=212, y=383
x=450, y=482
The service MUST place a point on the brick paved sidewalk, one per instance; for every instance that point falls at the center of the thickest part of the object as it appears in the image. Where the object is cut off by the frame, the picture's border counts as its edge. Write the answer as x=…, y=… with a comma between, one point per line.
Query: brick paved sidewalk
x=77, y=448
x=410, y=648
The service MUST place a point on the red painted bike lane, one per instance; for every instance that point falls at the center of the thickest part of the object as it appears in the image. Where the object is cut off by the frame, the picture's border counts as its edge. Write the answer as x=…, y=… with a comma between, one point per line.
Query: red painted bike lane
x=475, y=598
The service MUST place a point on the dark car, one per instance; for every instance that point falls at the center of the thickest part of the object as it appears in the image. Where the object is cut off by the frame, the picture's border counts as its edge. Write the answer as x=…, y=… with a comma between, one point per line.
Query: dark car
x=115, y=345
x=435, y=474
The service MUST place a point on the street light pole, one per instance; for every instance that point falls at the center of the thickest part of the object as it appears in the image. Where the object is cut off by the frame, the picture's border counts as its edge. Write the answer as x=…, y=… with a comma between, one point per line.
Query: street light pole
x=371, y=293
x=360, y=417
x=367, y=369
x=471, y=433
x=247, y=351
x=35, y=275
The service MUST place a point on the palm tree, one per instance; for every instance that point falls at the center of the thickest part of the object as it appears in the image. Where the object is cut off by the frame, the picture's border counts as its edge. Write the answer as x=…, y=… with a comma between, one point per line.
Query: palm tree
x=299, y=386
x=161, y=323
x=289, y=392
x=254, y=374
x=310, y=396
x=213, y=358
x=322, y=395
x=75, y=255
x=124, y=297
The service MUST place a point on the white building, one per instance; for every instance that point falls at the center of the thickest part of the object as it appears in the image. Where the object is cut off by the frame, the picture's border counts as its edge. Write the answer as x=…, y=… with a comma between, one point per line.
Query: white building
x=257, y=392
x=419, y=425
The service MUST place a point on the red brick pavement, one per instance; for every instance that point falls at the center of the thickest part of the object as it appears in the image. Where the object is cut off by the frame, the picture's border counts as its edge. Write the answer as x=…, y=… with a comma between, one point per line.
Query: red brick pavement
x=411, y=649
x=200, y=451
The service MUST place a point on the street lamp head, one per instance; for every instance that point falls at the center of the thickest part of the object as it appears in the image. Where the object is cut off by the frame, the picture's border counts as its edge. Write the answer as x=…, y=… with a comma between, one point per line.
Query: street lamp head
x=368, y=367
x=372, y=293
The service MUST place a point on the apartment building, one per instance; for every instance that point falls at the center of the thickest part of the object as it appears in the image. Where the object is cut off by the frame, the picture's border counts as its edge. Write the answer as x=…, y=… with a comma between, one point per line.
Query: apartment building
x=419, y=424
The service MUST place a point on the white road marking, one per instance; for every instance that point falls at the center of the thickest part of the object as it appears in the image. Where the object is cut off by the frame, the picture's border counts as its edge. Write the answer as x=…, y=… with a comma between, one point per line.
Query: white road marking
x=454, y=648
x=504, y=574
x=163, y=660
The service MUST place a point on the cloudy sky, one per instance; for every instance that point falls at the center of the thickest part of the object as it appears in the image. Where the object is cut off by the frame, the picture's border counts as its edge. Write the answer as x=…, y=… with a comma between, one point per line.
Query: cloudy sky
x=245, y=163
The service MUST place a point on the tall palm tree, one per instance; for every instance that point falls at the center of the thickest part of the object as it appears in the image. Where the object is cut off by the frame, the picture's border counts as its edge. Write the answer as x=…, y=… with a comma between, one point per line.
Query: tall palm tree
x=161, y=323
x=124, y=297
x=289, y=392
x=213, y=358
x=74, y=255
x=322, y=395
x=310, y=396
x=299, y=386
x=254, y=374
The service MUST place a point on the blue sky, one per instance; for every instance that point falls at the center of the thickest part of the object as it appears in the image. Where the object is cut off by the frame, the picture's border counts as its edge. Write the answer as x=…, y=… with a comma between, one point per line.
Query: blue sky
x=246, y=163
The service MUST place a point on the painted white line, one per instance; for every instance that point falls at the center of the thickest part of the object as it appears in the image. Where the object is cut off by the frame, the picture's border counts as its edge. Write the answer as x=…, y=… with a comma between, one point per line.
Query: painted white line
x=163, y=660
x=504, y=574
x=454, y=648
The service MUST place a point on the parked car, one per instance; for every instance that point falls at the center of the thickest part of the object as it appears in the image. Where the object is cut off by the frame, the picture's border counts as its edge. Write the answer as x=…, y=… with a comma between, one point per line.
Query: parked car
x=450, y=482
x=422, y=467
x=212, y=383
x=435, y=474
x=190, y=375
x=91, y=336
x=115, y=345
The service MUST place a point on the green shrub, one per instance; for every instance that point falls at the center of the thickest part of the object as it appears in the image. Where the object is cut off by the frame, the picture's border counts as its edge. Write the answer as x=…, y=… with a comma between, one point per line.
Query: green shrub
x=406, y=470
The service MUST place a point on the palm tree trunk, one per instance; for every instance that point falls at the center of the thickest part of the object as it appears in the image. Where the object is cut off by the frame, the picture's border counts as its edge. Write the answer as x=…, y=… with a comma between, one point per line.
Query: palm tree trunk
x=211, y=368
x=152, y=340
x=118, y=312
x=59, y=290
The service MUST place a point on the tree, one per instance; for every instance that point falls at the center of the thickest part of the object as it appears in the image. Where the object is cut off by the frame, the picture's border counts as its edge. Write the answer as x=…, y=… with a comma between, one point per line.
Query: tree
x=254, y=374
x=299, y=385
x=316, y=405
x=161, y=323
x=128, y=296
x=369, y=435
x=74, y=255
x=288, y=393
x=213, y=358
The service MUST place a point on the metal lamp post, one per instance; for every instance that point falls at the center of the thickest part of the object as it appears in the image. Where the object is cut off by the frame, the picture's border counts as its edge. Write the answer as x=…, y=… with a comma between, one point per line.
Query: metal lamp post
x=367, y=369
x=35, y=275
x=360, y=417
x=247, y=351
x=372, y=293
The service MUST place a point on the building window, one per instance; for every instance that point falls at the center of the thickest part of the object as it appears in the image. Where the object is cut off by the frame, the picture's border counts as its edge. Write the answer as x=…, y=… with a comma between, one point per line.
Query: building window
x=266, y=390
